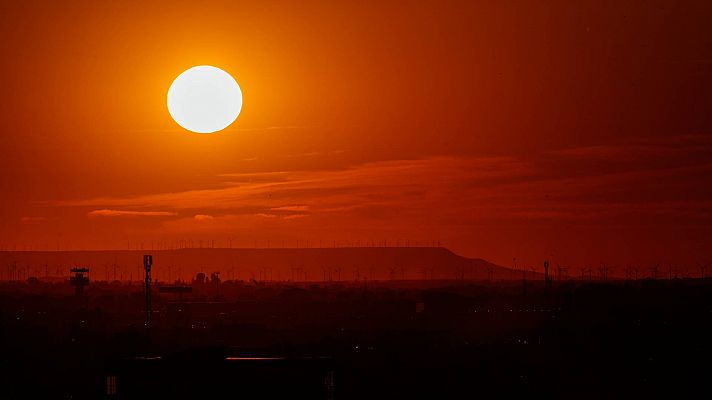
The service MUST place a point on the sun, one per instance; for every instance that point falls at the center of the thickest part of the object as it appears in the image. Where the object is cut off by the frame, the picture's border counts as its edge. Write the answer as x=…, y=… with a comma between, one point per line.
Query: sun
x=204, y=99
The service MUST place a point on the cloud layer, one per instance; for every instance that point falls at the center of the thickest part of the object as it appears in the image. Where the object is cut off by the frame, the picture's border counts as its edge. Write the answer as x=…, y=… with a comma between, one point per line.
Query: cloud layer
x=632, y=183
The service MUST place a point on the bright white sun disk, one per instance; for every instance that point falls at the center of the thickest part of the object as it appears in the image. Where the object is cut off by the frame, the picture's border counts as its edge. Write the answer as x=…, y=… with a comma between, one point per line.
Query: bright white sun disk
x=204, y=99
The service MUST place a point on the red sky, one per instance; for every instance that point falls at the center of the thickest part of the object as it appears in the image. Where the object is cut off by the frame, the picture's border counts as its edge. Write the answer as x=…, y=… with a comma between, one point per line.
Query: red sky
x=576, y=131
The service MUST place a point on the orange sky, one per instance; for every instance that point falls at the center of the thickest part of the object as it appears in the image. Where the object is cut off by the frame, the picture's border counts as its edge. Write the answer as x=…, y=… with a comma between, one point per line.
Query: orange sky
x=577, y=131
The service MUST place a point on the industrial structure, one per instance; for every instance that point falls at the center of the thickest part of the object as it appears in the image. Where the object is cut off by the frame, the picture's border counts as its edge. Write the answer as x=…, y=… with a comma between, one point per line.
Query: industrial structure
x=79, y=281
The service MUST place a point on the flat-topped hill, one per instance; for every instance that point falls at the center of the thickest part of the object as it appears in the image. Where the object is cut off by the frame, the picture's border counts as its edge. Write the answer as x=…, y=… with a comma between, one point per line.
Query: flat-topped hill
x=278, y=264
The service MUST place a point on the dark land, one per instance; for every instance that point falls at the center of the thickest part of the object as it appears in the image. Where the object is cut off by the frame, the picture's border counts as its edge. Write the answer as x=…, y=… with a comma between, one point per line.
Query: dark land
x=356, y=338
x=340, y=264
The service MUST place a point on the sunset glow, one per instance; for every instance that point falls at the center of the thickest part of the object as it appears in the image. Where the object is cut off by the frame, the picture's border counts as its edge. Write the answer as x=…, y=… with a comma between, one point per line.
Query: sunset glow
x=416, y=199
x=498, y=129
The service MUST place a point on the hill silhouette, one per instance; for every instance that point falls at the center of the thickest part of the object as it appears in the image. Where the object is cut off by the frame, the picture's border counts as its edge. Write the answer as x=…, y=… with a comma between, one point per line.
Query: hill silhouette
x=263, y=264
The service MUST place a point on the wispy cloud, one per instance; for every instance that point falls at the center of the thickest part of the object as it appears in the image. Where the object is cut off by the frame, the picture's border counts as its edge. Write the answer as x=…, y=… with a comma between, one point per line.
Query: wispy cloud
x=585, y=185
x=124, y=213
x=291, y=208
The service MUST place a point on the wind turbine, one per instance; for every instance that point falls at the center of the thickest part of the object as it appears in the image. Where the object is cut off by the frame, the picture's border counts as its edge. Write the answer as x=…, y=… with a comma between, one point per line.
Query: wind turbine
x=391, y=273
x=654, y=271
x=702, y=267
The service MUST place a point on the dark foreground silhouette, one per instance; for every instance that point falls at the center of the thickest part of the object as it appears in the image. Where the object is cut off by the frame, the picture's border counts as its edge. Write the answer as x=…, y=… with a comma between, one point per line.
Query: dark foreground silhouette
x=634, y=339
x=337, y=264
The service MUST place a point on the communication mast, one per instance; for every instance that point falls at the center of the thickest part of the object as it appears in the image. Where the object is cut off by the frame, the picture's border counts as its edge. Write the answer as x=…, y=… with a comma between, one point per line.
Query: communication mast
x=547, y=280
x=147, y=262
